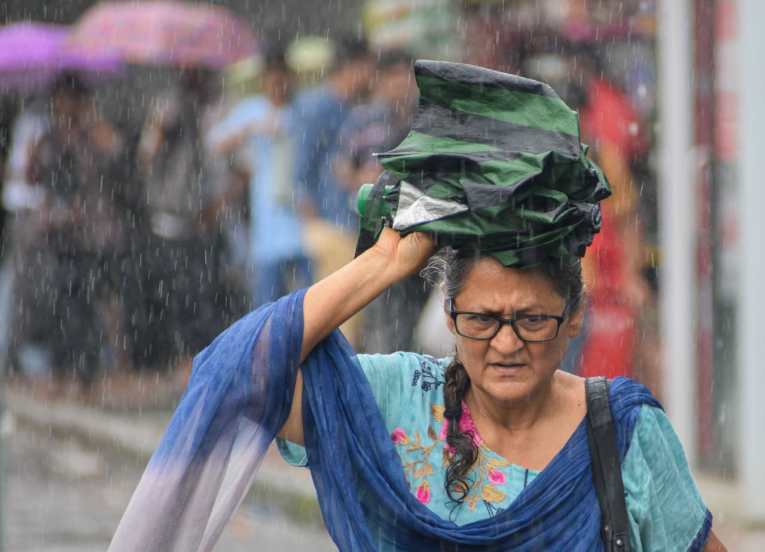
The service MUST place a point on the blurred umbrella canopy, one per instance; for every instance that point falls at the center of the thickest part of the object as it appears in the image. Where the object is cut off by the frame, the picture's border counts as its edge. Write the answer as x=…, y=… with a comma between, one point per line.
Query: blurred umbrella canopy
x=165, y=33
x=32, y=55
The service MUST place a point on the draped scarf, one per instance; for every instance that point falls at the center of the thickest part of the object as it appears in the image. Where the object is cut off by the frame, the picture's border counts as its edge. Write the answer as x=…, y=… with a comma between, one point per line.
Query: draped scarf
x=239, y=396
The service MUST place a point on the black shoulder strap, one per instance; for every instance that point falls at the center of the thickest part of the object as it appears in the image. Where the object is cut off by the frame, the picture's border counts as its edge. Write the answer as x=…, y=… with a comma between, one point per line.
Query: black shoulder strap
x=606, y=467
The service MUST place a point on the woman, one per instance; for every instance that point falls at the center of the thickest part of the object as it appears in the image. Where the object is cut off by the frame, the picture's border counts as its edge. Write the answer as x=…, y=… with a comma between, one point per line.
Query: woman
x=509, y=409
x=487, y=450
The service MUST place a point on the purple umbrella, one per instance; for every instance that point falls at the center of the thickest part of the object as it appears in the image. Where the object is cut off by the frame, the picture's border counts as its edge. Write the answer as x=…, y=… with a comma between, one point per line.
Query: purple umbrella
x=32, y=55
x=166, y=32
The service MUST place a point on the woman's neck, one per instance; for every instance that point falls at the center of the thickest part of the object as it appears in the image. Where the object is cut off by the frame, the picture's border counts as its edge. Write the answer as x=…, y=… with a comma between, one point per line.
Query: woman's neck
x=511, y=417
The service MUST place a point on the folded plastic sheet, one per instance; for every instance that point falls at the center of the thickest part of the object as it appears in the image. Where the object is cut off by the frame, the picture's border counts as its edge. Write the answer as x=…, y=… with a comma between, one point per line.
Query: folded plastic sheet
x=493, y=162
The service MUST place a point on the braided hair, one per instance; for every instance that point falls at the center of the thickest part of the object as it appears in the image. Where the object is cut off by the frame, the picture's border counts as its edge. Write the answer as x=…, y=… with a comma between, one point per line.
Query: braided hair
x=450, y=268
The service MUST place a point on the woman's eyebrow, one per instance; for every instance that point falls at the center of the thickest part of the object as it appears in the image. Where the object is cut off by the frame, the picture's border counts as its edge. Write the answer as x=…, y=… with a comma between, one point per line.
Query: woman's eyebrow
x=533, y=307
x=539, y=309
x=536, y=309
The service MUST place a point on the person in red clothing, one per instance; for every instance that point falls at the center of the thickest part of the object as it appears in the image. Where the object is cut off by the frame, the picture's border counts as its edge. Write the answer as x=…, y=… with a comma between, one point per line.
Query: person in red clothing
x=617, y=290
x=612, y=267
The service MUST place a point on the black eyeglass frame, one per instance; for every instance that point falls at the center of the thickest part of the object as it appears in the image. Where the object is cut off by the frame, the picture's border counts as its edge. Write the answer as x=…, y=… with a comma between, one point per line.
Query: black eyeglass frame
x=507, y=321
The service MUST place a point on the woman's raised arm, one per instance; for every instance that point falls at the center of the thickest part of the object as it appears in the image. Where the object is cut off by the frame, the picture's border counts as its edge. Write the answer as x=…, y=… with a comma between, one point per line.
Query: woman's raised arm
x=342, y=294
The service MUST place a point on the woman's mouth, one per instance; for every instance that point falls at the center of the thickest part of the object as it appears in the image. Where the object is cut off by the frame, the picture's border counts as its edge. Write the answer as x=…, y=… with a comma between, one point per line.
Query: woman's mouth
x=507, y=365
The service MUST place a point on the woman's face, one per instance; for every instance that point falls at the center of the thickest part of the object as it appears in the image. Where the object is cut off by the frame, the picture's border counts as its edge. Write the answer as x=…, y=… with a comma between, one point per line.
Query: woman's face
x=505, y=368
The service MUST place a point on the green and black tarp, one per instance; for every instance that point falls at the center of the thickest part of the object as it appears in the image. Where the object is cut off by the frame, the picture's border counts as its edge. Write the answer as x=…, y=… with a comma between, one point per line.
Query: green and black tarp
x=493, y=162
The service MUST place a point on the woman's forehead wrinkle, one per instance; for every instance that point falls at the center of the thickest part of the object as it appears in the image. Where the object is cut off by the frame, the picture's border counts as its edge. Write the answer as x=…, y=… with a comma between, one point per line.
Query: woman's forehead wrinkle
x=493, y=288
x=499, y=301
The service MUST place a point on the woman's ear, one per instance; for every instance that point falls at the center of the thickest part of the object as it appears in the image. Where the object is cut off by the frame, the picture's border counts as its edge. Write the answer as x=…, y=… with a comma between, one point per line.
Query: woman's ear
x=450, y=323
x=576, y=320
x=449, y=319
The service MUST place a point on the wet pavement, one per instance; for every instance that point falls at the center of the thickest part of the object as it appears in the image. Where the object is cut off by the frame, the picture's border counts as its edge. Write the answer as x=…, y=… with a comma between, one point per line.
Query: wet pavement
x=61, y=495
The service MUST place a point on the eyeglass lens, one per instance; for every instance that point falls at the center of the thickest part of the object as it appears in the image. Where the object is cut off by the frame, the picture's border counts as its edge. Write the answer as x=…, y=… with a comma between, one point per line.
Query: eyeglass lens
x=531, y=328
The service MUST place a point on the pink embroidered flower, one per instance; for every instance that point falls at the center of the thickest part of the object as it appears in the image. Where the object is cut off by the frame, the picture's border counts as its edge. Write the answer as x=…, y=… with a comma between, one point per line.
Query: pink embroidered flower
x=399, y=436
x=496, y=476
x=467, y=425
x=423, y=492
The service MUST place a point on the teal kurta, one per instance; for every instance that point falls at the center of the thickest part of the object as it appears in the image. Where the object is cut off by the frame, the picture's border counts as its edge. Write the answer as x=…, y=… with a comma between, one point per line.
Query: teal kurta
x=664, y=507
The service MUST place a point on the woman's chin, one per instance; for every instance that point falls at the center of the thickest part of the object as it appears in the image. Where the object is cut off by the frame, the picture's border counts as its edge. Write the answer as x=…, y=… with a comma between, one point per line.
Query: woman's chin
x=510, y=389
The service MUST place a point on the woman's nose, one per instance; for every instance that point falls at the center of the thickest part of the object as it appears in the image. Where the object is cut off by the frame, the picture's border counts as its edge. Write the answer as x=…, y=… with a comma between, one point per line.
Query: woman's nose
x=507, y=341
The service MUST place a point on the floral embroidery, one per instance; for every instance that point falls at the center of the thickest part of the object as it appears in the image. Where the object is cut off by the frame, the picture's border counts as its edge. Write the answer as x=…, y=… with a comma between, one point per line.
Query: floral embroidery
x=426, y=378
x=424, y=470
x=497, y=477
x=423, y=492
x=472, y=501
x=420, y=466
x=489, y=493
x=432, y=434
x=399, y=436
x=487, y=468
x=425, y=455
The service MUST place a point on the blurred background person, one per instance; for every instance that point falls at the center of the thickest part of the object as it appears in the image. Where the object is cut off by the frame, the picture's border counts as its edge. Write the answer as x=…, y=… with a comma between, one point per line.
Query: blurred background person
x=617, y=290
x=325, y=204
x=25, y=127
x=64, y=248
x=28, y=126
x=175, y=309
x=374, y=126
x=260, y=126
x=321, y=111
x=378, y=123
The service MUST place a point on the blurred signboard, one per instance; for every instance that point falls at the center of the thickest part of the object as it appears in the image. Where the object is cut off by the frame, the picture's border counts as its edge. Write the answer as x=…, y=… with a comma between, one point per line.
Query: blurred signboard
x=426, y=28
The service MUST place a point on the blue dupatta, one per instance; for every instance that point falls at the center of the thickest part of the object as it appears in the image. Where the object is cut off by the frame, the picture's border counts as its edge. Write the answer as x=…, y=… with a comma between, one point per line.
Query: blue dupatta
x=238, y=398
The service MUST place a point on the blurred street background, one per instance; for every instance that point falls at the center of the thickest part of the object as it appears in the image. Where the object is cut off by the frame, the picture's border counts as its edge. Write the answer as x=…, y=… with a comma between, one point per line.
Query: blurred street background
x=166, y=166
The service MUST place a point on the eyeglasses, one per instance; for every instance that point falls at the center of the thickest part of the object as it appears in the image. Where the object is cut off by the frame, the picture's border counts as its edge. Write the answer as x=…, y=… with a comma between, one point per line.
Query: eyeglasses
x=530, y=328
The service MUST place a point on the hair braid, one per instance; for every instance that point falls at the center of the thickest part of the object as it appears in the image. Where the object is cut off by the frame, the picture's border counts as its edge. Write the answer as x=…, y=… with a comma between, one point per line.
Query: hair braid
x=464, y=451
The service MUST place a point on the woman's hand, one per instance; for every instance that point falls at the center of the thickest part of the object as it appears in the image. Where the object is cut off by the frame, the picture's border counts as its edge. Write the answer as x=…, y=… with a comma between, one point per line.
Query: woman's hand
x=343, y=293
x=406, y=255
